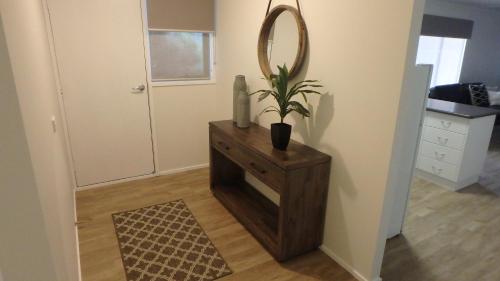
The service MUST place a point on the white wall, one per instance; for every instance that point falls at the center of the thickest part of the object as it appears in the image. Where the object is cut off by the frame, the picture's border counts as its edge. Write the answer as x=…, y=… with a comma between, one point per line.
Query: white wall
x=181, y=115
x=482, y=54
x=29, y=52
x=358, y=50
x=25, y=250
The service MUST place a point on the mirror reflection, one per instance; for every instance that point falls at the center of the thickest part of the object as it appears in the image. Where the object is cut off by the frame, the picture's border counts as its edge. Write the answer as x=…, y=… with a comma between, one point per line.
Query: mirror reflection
x=283, y=43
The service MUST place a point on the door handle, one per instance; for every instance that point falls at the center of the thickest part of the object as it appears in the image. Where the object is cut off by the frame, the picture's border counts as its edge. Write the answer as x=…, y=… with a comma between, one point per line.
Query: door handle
x=139, y=89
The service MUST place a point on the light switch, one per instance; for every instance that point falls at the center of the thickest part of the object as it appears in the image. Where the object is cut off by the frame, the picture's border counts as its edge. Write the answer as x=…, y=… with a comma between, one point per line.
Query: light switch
x=54, y=126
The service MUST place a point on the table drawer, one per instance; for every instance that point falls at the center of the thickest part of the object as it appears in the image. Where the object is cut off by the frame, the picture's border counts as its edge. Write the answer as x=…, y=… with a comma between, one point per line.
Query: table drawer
x=447, y=122
x=444, y=138
x=225, y=145
x=440, y=153
x=440, y=169
x=259, y=167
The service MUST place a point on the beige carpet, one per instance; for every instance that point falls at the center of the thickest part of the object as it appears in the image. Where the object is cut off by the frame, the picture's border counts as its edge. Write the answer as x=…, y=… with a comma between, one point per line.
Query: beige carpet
x=166, y=243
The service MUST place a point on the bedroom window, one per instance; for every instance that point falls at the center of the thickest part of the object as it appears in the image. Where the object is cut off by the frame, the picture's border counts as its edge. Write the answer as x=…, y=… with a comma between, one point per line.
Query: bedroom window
x=445, y=54
x=180, y=56
x=181, y=41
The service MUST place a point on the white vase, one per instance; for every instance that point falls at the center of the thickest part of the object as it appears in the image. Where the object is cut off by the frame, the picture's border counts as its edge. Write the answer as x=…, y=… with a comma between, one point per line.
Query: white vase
x=239, y=85
x=243, y=109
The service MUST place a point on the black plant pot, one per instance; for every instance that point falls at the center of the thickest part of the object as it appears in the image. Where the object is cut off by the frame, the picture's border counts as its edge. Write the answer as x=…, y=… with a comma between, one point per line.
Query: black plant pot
x=280, y=135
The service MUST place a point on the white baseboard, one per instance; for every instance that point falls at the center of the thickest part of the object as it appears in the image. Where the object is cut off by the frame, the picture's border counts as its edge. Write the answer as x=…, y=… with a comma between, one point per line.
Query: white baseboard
x=104, y=184
x=78, y=260
x=345, y=265
x=163, y=173
x=78, y=255
x=185, y=169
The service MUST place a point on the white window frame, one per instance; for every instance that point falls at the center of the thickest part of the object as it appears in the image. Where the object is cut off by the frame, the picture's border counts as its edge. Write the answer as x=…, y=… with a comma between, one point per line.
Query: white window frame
x=183, y=82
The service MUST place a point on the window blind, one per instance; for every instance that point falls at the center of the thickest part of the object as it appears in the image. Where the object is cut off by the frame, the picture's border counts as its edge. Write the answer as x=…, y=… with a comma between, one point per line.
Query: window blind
x=182, y=15
x=447, y=27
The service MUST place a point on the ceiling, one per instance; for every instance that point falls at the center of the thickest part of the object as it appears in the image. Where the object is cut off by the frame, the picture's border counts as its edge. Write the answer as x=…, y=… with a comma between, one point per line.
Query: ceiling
x=495, y=4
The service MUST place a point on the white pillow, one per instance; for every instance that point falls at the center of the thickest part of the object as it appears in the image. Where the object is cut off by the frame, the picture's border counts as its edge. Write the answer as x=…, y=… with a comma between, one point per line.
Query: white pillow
x=494, y=97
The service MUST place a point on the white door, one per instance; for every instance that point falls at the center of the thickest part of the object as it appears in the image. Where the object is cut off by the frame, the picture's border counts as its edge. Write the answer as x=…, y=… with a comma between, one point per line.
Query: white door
x=407, y=141
x=100, y=53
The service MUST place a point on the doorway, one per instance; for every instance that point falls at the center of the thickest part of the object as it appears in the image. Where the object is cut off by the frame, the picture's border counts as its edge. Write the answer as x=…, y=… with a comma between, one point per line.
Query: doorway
x=448, y=218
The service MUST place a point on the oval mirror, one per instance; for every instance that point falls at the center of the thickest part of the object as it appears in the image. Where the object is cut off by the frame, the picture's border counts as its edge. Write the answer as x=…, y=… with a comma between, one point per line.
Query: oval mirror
x=282, y=40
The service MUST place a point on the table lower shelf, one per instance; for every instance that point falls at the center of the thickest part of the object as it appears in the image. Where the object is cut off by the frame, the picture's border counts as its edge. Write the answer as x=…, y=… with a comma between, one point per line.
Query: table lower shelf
x=258, y=214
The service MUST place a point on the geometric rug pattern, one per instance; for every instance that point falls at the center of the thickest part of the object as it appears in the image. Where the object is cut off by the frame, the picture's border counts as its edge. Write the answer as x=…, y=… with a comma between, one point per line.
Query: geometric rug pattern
x=165, y=243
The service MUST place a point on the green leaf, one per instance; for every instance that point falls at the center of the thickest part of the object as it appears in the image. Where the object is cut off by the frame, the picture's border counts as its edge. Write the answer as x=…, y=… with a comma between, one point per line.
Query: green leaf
x=264, y=95
x=310, y=92
x=283, y=94
x=304, y=96
x=302, y=82
x=299, y=108
x=270, y=109
x=257, y=92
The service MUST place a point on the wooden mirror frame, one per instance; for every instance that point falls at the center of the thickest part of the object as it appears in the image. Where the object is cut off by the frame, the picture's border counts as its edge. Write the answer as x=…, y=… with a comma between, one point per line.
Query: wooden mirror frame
x=265, y=31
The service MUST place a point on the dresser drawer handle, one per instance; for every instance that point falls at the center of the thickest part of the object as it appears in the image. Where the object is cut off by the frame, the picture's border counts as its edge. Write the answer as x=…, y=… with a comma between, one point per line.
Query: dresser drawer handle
x=224, y=145
x=436, y=170
x=443, y=141
x=446, y=124
x=439, y=156
x=253, y=165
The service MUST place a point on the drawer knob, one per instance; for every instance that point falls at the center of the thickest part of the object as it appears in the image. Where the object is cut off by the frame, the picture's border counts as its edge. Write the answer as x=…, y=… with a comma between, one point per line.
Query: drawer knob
x=439, y=156
x=253, y=165
x=224, y=145
x=443, y=141
x=446, y=124
x=436, y=170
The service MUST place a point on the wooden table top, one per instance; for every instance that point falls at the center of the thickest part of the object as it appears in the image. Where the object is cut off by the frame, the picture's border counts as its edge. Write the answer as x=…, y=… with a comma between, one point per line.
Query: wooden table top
x=258, y=139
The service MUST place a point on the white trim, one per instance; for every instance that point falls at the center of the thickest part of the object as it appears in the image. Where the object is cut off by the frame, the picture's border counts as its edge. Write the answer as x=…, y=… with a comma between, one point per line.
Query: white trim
x=154, y=136
x=108, y=183
x=163, y=173
x=345, y=265
x=185, y=169
x=62, y=110
x=178, y=30
x=77, y=238
x=155, y=84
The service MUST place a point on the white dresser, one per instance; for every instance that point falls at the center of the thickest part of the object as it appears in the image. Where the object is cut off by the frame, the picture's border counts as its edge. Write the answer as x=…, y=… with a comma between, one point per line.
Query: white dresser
x=454, y=143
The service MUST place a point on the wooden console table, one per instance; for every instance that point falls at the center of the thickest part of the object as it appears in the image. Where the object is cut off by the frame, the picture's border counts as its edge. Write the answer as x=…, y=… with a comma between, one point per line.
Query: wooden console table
x=299, y=175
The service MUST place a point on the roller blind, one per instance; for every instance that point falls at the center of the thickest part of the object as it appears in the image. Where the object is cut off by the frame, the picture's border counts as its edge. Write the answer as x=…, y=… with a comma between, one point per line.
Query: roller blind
x=447, y=27
x=190, y=15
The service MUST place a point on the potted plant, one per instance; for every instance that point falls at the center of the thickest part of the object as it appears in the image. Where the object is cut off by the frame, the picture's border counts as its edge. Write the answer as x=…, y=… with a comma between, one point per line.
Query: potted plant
x=284, y=96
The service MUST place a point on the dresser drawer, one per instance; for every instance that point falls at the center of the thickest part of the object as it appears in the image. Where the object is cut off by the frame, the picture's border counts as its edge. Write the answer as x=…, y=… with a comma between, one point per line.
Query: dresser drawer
x=447, y=122
x=437, y=168
x=223, y=144
x=262, y=169
x=444, y=138
x=440, y=153
x=258, y=166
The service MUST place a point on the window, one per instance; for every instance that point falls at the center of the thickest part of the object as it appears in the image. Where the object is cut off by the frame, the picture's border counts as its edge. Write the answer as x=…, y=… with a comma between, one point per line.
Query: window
x=445, y=54
x=181, y=41
x=180, y=56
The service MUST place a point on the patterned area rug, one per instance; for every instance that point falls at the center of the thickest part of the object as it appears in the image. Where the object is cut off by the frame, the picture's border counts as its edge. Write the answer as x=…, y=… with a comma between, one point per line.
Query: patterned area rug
x=166, y=243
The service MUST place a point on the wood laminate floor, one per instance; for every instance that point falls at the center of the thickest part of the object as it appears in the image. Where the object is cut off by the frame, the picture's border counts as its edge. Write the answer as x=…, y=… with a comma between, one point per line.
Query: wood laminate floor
x=490, y=178
x=447, y=236
x=99, y=252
